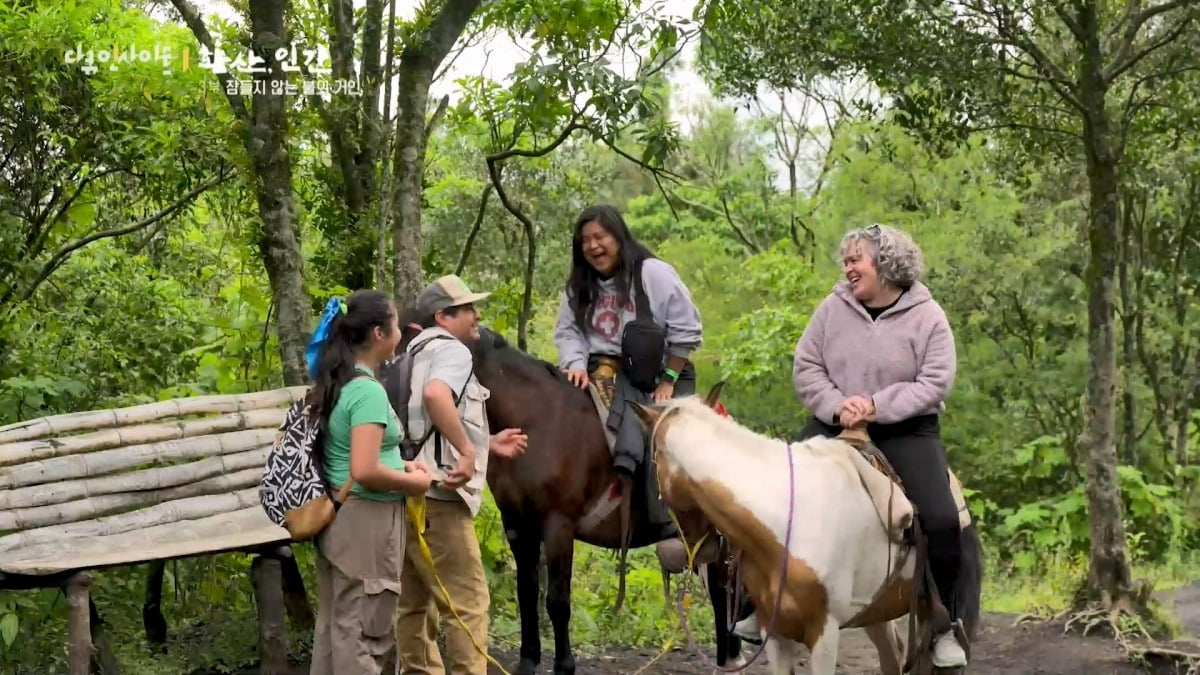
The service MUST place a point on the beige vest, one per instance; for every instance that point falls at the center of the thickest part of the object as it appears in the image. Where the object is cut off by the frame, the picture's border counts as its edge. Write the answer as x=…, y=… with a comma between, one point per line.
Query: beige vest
x=471, y=410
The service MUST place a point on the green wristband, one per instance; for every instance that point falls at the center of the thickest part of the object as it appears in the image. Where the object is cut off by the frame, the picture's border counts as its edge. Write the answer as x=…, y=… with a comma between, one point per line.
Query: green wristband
x=671, y=374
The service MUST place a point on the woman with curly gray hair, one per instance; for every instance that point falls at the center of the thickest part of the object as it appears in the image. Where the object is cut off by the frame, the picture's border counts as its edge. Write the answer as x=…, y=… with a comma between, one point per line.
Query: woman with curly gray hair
x=879, y=351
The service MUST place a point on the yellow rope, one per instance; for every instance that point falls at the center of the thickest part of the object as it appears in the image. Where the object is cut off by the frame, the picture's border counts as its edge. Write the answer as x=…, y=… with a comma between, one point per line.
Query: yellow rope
x=692, y=552
x=415, y=507
x=416, y=519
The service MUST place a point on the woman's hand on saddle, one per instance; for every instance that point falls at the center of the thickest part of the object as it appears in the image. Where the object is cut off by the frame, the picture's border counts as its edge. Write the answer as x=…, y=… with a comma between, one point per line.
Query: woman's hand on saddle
x=856, y=410
x=664, y=391
x=510, y=443
x=577, y=377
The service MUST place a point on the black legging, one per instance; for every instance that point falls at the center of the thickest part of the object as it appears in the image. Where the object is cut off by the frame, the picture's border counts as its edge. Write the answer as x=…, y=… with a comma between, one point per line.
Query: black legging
x=914, y=449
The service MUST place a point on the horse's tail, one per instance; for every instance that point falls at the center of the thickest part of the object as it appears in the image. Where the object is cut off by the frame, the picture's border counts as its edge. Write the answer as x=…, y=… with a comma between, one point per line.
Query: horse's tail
x=969, y=589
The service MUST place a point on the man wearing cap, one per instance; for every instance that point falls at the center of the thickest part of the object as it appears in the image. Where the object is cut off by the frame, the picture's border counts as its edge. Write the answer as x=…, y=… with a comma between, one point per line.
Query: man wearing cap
x=449, y=401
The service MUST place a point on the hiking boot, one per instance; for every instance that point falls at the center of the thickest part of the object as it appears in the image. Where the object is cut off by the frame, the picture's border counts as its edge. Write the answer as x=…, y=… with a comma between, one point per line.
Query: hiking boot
x=947, y=653
x=747, y=629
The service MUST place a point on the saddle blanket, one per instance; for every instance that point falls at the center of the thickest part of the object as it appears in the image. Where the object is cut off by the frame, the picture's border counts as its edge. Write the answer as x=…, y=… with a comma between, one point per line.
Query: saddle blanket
x=894, y=509
x=891, y=503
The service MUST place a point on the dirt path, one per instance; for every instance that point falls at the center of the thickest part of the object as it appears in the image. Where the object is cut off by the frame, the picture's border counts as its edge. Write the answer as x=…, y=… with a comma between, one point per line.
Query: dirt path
x=1001, y=649
x=1185, y=602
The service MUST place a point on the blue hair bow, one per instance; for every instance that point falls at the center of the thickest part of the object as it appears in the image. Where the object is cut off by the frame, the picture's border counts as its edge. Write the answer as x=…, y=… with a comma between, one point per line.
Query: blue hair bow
x=320, y=336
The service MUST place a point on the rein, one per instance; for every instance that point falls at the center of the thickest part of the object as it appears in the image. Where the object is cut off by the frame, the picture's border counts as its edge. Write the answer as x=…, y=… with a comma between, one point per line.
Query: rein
x=693, y=550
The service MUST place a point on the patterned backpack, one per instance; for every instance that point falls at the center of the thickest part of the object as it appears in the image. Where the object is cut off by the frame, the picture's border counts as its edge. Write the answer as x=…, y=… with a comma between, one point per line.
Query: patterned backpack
x=292, y=490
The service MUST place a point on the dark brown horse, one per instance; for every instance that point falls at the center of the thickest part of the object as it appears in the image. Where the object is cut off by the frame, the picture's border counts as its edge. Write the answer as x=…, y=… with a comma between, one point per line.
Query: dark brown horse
x=543, y=495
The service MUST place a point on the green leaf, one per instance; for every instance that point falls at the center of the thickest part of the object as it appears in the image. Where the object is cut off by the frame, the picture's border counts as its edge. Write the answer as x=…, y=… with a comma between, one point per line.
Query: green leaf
x=8, y=628
x=82, y=213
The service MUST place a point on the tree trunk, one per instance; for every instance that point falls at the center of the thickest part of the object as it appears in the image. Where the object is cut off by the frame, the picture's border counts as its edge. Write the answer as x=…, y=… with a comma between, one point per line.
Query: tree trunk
x=354, y=126
x=1128, y=343
x=1109, y=577
x=267, y=143
x=409, y=167
x=1181, y=436
x=418, y=65
x=384, y=201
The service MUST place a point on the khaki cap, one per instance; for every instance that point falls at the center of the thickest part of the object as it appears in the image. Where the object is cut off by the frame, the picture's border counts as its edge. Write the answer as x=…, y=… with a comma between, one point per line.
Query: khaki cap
x=447, y=291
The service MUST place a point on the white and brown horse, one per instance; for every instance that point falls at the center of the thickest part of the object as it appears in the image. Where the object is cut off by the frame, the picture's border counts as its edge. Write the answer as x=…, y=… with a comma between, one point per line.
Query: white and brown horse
x=819, y=535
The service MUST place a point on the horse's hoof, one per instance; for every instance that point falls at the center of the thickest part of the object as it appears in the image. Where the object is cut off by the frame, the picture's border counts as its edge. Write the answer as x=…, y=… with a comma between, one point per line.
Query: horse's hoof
x=526, y=666
x=565, y=667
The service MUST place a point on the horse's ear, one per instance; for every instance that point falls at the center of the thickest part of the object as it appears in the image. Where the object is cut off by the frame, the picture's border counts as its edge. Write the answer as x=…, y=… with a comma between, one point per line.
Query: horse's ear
x=646, y=414
x=714, y=394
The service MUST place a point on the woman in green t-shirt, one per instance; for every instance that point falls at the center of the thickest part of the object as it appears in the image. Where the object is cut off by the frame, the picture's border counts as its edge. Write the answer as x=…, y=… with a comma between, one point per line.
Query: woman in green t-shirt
x=361, y=554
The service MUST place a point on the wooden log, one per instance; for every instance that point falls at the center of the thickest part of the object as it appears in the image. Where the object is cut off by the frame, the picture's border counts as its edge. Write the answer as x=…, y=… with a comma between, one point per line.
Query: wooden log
x=132, y=483
x=267, y=578
x=120, y=459
x=103, y=505
x=236, y=531
x=79, y=651
x=28, y=451
x=106, y=419
x=169, y=512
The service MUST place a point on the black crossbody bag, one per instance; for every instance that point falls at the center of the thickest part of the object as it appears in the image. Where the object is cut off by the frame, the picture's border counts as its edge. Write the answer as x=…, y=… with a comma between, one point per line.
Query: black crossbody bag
x=643, y=342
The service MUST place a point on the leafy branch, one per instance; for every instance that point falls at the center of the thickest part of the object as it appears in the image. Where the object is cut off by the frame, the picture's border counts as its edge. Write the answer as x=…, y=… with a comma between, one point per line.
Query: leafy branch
x=495, y=165
x=60, y=256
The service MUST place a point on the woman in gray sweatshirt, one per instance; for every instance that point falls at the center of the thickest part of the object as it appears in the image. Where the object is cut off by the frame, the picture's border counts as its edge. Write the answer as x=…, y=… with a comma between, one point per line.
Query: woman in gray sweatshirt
x=879, y=351
x=604, y=314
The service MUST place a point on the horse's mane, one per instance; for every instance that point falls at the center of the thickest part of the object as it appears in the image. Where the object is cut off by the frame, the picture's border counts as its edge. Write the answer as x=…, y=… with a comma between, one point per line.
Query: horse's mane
x=729, y=431
x=490, y=343
x=493, y=344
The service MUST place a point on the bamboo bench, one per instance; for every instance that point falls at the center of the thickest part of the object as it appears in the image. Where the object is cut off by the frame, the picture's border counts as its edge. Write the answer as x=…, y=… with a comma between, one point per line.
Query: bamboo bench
x=145, y=484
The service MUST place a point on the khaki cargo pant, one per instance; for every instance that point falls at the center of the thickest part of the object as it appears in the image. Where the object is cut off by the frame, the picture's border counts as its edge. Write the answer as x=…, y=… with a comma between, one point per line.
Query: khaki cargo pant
x=360, y=557
x=450, y=533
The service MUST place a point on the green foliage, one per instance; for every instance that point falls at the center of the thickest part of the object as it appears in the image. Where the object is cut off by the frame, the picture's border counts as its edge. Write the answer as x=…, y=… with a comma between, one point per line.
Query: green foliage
x=1057, y=523
x=87, y=153
x=758, y=349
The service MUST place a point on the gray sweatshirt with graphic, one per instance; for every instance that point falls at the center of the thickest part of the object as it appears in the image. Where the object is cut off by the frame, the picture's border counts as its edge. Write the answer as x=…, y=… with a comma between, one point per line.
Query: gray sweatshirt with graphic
x=670, y=303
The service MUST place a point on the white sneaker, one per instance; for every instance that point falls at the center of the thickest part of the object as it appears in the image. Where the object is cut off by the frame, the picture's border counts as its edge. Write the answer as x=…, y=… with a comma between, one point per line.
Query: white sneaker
x=947, y=653
x=747, y=629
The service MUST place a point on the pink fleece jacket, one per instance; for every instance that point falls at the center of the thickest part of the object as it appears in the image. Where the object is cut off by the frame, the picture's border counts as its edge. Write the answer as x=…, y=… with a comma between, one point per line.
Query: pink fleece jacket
x=904, y=361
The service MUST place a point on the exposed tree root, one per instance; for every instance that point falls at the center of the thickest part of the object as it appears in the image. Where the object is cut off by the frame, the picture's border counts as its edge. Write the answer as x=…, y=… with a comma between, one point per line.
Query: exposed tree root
x=1030, y=617
x=1133, y=622
x=1185, y=662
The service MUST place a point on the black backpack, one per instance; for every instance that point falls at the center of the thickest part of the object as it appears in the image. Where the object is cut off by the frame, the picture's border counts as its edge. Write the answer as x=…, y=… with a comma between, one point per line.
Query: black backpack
x=643, y=342
x=397, y=381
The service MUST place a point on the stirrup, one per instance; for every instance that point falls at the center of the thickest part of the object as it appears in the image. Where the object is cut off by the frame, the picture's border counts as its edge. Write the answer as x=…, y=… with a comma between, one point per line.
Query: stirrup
x=747, y=630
